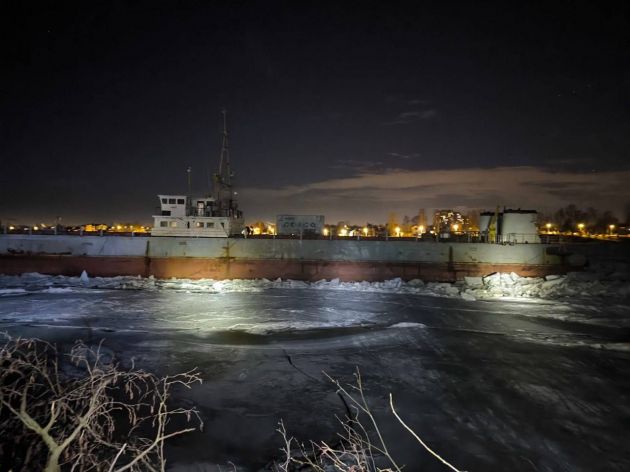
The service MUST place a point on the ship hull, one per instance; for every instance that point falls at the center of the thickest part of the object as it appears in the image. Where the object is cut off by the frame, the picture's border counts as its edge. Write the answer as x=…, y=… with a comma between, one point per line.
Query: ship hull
x=204, y=268
x=310, y=260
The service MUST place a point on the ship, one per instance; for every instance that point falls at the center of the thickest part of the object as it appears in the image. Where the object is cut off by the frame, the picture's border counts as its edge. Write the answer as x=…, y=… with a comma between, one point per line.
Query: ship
x=199, y=237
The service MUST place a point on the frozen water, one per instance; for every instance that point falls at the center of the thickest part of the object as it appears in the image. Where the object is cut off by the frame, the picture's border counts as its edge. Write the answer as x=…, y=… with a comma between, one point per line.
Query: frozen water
x=577, y=284
x=497, y=374
x=11, y=291
x=408, y=325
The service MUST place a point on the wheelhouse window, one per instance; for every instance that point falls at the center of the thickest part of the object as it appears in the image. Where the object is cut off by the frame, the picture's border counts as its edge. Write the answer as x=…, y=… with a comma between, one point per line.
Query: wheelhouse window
x=164, y=201
x=181, y=201
x=171, y=201
x=166, y=212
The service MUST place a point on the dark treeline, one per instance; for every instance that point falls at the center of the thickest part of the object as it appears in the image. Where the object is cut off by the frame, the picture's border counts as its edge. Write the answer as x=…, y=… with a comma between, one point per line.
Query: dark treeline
x=595, y=221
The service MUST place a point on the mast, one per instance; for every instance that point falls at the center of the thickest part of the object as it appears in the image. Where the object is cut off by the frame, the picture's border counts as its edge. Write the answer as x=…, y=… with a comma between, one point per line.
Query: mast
x=223, y=193
x=224, y=161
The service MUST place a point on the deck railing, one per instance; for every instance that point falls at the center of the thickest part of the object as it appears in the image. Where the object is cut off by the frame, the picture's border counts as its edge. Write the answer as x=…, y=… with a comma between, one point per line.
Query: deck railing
x=453, y=238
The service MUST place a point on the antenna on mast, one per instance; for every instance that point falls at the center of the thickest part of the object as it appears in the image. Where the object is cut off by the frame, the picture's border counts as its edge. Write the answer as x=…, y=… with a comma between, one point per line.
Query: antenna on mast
x=223, y=192
x=224, y=161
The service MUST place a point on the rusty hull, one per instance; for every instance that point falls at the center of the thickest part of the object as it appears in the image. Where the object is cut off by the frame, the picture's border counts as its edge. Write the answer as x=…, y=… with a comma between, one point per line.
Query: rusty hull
x=226, y=268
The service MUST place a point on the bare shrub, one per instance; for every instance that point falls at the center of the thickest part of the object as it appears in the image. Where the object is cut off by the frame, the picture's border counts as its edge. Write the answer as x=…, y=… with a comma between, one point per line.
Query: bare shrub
x=84, y=412
x=355, y=450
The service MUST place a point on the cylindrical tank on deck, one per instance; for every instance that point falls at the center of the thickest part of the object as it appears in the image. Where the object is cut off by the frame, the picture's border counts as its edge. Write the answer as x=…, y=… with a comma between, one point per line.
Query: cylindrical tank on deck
x=484, y=220
x=519, y=226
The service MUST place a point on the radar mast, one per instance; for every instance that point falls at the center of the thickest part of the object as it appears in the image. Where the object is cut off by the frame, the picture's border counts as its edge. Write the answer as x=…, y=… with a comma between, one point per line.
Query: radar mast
x=224, y=195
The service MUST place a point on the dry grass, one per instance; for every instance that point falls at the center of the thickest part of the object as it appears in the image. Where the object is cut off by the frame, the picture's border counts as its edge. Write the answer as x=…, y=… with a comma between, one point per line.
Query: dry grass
x=355, y=450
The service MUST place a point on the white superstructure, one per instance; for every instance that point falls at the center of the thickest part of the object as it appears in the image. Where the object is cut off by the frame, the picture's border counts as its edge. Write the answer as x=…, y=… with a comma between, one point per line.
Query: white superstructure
x=208, y=216
x=194, y=217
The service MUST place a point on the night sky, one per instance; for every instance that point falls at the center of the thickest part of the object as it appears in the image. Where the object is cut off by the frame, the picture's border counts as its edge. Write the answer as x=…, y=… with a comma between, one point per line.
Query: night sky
x=347, y=109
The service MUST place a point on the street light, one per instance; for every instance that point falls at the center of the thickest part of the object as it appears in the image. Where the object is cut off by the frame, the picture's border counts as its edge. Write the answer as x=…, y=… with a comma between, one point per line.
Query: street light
x=581, y=227
x=455, y=227
x=397, y=231
x=548, y=225
x=612, y=227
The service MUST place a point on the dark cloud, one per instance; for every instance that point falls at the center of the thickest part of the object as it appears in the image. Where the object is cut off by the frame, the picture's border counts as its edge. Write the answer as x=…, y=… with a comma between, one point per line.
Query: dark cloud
x=407, y=117
x=412, y=155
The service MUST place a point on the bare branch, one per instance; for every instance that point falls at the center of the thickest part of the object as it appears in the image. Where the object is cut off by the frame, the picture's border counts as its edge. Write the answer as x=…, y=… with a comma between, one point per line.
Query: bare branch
x=431, y=451
x=84, y=405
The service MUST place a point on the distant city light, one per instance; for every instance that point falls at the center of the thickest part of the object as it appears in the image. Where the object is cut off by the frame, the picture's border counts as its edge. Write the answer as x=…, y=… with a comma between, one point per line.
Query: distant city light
x=365, y=230
x=397, y=231
x=325, y=232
